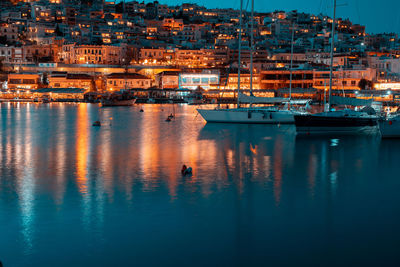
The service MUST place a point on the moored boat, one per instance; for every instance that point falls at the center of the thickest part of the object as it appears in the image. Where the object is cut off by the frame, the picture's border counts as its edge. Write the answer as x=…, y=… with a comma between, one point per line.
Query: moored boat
x=337, y=122
x=117, y=102
x=248, y=115
x=389, y=126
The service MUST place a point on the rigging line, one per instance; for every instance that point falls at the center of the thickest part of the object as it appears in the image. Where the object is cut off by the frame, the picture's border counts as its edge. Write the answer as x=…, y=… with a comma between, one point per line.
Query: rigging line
x=398, y=24
x=358, y=11
x=320, y=6
x=247, y=5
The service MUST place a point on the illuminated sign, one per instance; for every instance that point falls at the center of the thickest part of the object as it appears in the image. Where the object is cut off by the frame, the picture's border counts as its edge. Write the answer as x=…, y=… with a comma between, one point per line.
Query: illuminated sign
x=385, y=86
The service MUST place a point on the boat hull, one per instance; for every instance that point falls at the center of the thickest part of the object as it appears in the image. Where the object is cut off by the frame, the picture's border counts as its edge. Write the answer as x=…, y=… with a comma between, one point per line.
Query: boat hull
x=314, y=124
x=115, y=103
x=390, y=128
x=246, y=116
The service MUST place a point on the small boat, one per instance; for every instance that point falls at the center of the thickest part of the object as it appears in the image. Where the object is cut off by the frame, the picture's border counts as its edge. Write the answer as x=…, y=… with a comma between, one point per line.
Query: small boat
x=117, y=102
x=389, y=126
x=96, y=123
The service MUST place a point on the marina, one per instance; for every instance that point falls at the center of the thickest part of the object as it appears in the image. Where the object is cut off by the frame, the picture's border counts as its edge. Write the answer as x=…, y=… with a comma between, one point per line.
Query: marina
x=199, y=134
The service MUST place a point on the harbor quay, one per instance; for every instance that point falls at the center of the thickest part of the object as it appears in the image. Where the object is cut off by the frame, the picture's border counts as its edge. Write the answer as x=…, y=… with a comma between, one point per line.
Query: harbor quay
x=83, y=83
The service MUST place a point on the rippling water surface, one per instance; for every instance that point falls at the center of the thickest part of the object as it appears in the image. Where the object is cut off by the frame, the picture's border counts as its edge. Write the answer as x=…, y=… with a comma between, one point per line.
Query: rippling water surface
x=72, y=194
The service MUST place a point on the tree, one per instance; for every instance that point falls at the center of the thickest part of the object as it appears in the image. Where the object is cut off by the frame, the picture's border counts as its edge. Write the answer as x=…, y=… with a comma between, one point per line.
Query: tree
x=45, y=80
x=3, y=40
x=93, y=86
x=1, y=64
x=364, y=84
x=57, y=31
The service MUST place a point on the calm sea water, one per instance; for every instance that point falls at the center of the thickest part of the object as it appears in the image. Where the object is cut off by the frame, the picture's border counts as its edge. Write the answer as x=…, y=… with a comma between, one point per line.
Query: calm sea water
x=73, y=195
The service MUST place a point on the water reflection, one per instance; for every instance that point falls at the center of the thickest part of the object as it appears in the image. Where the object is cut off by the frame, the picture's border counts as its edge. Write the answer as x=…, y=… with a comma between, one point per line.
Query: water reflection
x=26, y=181
x=248, y=151
x=325, y=159
x=119, y=191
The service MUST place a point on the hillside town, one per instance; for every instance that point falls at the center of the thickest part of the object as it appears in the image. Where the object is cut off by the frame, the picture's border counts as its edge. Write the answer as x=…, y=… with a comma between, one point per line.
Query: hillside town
x=71, y=48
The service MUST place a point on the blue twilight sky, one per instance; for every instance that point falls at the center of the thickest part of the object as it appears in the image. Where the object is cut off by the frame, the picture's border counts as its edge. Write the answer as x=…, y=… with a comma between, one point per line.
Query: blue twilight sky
x=377, y=16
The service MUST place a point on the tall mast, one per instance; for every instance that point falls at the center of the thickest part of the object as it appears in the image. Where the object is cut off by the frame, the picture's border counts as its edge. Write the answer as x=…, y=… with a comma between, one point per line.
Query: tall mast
x=332, y=46
x=240, y=48
x=291, y=63
x=251, y=46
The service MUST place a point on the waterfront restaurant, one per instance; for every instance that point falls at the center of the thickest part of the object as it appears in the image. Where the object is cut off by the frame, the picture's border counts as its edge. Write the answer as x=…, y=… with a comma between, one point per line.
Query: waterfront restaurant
x=23, y=81
x=194, y=80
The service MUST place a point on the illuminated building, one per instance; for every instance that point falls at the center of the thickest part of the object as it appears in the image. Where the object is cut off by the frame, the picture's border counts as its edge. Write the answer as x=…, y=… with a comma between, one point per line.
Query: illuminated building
x=66, y=80
x=232, y=82
x=280, y=78
x=167, y=79
x=9, y=31
x=11, y=54
x=27, y=81
x=148, y=55
x=118, y=81
x=343, y=79
x=93, y=54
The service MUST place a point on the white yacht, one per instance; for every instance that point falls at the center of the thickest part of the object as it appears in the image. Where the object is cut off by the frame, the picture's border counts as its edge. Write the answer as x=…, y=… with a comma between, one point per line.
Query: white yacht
x=248, y=115
x=251, y=114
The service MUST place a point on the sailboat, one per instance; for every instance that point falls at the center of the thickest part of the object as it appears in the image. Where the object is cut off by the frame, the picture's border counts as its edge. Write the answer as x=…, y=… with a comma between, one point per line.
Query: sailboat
x=264, y=115
x=341, y=121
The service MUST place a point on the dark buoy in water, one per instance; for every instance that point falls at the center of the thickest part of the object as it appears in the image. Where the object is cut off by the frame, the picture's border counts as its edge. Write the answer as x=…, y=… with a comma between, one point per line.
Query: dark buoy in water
x=141, y=110
x=96, y=123
x=168, y=119
x=186, y=170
